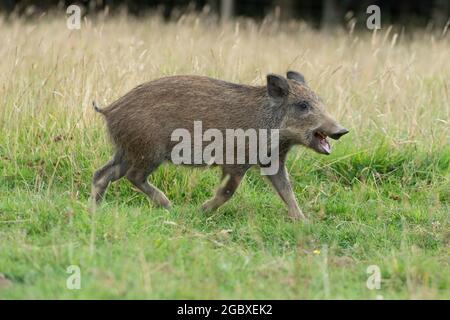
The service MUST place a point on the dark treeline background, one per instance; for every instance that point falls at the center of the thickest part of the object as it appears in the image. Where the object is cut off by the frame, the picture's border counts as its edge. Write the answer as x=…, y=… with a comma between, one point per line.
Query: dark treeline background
x=421, y=13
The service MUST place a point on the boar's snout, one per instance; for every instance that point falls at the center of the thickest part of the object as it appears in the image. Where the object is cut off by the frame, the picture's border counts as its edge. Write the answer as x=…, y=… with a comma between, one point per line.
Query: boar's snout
x=319, y=141
x=338, y=133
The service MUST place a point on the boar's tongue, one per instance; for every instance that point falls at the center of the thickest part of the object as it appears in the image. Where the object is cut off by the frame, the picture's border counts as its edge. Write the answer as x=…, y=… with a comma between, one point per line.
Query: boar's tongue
x=325, y=145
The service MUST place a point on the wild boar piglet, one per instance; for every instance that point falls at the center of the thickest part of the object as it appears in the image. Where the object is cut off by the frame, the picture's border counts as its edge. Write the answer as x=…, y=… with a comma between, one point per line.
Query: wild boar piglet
x=197, y=120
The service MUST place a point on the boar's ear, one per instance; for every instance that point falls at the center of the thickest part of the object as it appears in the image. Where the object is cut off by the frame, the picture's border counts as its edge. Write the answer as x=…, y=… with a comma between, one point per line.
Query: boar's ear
x=277, y=86
x=292, y=75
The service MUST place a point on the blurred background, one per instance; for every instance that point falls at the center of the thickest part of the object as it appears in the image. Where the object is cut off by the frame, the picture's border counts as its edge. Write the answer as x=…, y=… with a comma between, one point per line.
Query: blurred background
x=317, y=13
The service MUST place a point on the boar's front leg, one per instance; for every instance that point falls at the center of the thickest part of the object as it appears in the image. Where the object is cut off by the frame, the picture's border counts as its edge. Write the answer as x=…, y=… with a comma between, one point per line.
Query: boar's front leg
x=234, y=176
x=281, y=183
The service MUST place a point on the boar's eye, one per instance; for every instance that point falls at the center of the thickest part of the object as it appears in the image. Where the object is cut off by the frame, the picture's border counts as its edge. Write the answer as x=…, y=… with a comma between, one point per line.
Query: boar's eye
x=303, y=106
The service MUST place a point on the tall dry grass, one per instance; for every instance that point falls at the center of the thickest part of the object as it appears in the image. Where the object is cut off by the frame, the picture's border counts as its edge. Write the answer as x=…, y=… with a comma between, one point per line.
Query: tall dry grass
x=382, y=85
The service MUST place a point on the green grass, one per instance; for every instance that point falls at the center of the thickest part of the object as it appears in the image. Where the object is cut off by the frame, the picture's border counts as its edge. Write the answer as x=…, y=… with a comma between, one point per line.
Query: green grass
x=381, y=206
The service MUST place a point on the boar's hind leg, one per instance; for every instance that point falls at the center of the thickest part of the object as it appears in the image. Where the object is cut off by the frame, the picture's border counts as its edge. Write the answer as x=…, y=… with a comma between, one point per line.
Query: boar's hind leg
x=281, y=183
x=224, y=193
x=110, y=172
x=138, y=177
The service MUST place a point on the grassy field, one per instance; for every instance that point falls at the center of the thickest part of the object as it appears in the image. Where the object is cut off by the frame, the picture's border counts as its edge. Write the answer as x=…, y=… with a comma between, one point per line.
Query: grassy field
x=381, y=198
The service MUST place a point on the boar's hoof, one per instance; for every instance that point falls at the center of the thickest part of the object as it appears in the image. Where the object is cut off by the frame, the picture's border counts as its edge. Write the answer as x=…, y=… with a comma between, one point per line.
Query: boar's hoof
x=209, y=206
x=166, y=205
x=297, y=215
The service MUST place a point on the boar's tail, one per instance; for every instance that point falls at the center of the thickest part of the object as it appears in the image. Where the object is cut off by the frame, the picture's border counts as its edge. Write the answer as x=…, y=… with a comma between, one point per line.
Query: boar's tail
x=96, y=108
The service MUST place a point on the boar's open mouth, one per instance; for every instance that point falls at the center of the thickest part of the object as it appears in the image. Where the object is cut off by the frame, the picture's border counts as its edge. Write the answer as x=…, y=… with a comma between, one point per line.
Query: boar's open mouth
x=320, y=143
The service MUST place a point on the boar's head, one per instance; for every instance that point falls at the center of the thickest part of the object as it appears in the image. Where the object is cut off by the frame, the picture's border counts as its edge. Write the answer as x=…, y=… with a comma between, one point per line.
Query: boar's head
x=305, y=120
